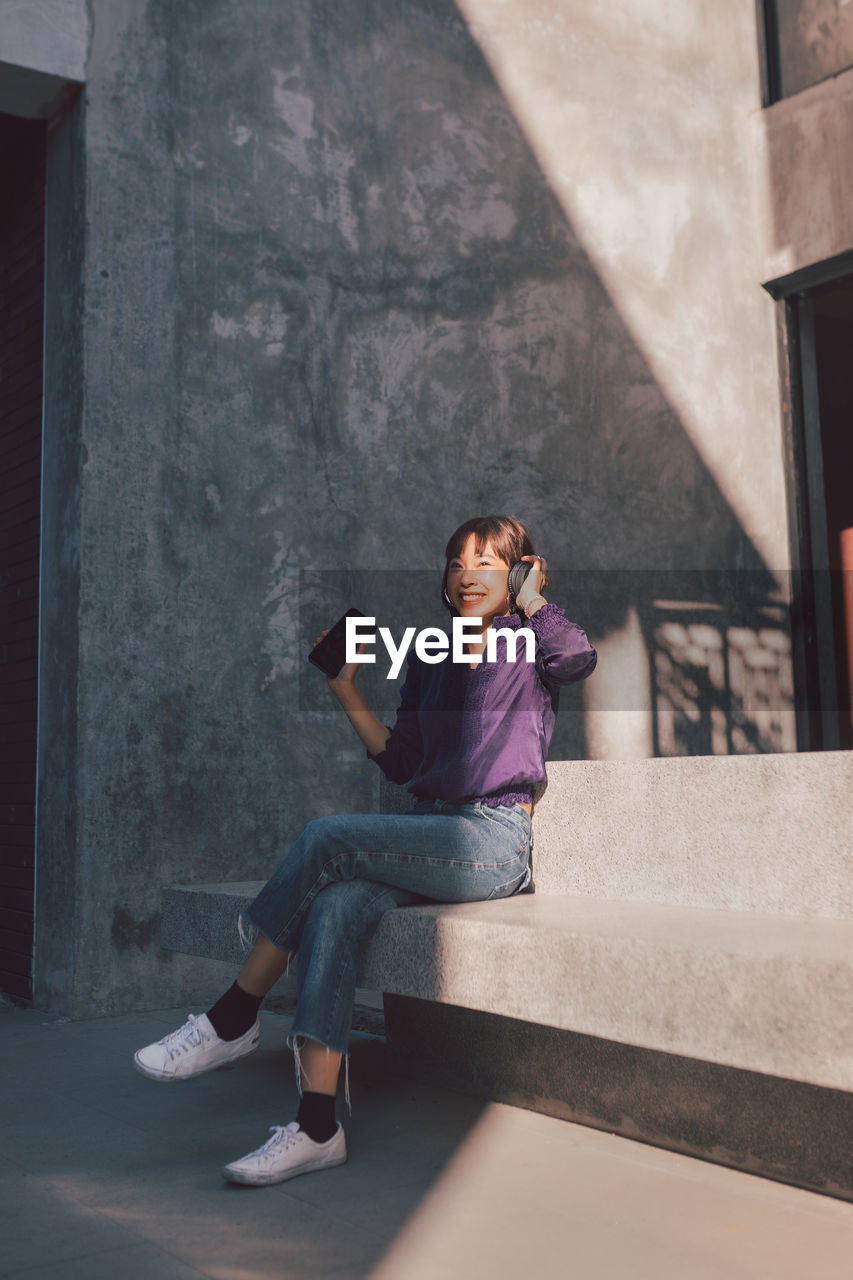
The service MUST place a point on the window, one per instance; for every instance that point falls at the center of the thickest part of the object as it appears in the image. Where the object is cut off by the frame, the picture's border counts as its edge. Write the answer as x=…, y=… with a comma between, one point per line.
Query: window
x=806, y=41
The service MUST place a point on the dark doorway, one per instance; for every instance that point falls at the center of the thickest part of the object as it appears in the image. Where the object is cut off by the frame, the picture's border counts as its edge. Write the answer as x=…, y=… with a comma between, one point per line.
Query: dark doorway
x=824, y=321
x=22, y=163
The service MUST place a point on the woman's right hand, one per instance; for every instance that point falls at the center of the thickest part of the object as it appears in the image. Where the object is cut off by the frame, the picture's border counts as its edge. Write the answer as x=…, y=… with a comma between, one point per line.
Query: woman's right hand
x=348, y=671
x=373, y=733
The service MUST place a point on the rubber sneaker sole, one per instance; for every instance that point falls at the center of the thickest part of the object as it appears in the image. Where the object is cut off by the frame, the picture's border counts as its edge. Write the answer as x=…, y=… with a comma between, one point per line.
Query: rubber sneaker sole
x=249, y=1179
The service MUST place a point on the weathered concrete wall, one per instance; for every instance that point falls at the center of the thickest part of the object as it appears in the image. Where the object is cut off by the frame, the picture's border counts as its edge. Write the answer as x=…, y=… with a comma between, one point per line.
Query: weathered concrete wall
x=639, y=112
x=43, y=49
x=333, y=307
x=50, y=36
x=803, y=174
x=815, y=41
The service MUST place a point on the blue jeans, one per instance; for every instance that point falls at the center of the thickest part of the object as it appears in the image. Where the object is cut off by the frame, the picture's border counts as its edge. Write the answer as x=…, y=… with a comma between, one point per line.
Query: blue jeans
x=344, y=872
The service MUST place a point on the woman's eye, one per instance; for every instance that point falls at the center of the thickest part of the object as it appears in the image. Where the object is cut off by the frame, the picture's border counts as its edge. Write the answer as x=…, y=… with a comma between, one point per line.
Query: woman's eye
x=483, y=564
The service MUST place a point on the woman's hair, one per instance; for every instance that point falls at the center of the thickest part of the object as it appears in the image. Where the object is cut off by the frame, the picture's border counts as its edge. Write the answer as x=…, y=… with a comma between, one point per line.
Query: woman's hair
x=509, y=538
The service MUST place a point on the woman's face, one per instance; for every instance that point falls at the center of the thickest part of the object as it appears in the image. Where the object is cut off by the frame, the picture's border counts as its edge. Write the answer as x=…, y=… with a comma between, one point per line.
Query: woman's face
x=476, y=583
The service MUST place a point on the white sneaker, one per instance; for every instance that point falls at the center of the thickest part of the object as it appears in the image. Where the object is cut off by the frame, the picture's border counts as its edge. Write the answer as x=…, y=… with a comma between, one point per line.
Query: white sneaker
x=286, y=1154
x=192, y=1050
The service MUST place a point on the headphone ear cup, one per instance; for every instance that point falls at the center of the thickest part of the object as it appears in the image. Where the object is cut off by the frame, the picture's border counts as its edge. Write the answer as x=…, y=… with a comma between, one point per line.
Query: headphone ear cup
x=516, y=577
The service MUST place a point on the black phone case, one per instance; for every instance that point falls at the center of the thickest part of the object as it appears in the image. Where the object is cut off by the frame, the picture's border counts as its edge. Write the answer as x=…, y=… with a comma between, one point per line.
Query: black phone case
x=330, y=654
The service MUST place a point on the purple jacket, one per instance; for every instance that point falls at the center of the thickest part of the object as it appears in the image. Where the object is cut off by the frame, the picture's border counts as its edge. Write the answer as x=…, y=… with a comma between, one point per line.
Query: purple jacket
x=483, y=733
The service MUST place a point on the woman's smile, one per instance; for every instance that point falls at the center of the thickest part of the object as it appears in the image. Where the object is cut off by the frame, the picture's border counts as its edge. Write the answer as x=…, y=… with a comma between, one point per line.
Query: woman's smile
x=476, y=582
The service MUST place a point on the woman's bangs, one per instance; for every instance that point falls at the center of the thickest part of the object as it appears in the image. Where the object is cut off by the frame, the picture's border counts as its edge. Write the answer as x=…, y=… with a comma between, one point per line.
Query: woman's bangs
x=508, y=537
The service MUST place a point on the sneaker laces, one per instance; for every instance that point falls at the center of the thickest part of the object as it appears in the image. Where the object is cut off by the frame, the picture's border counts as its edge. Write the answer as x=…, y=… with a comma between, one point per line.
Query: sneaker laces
x=283, y=1136
x=186, y=1037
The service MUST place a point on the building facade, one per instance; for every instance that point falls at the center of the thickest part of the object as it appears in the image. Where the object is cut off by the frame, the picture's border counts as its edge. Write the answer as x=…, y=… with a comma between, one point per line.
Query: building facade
x=319, y=283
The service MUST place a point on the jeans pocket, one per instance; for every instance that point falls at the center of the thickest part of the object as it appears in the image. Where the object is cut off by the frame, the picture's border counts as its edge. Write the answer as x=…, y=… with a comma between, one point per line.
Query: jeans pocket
x=507, y=889
x=511, y=821
x=499, y=813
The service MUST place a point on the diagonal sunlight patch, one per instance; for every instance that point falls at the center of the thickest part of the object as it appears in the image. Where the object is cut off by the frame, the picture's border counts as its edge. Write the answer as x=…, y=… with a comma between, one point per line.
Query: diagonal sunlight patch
x=639, y=116
x=528, y=1196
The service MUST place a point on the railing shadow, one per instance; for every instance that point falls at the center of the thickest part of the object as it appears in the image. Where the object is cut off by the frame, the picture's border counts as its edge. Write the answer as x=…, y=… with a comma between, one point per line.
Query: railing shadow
x=722, y=679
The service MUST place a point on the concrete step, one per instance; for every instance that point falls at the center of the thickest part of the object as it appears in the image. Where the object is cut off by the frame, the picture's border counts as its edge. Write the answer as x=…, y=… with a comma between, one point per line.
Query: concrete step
x=765, y=993
x=770, y=833
x=684, y=972
x=762, y=993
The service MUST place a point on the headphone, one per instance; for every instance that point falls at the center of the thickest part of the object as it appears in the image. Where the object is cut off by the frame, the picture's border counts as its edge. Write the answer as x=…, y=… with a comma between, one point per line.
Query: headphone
x=516, y=578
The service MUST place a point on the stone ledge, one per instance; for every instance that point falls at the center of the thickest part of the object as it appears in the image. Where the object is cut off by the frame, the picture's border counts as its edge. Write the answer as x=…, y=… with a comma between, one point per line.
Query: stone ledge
x=762, y=993
x=776, y=1128
x=766, y=833
x=202, y=918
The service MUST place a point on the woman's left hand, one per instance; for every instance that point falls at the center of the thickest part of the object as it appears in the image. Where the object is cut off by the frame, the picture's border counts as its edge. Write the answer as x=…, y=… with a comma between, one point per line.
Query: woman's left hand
x=531, y=586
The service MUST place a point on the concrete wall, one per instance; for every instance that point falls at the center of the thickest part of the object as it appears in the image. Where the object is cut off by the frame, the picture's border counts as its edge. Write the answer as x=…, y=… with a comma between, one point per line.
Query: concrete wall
x=43, y=51
x=351, y=275
x=49, y=36
x=802, y=171
x=815, y=41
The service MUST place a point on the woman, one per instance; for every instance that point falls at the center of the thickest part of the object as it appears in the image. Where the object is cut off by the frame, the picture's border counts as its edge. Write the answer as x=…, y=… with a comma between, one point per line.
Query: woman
x=470, y=740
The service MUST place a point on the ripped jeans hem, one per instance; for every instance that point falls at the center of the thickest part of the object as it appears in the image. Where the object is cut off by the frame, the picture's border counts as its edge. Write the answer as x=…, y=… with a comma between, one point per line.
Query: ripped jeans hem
x=293, y=1043
x=248, y=933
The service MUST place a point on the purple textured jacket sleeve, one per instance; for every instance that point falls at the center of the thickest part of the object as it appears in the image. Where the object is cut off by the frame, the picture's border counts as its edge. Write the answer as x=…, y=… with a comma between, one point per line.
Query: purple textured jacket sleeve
x=404, y=749
x=563, y=653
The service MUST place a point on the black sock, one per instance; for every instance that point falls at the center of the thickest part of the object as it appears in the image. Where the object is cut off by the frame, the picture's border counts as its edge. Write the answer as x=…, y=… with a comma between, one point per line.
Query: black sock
x=316, y=1116
x=234, y=1013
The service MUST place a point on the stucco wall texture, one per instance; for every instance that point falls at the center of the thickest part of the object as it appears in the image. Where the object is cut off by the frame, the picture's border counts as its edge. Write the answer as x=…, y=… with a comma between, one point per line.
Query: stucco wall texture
x=343, y=290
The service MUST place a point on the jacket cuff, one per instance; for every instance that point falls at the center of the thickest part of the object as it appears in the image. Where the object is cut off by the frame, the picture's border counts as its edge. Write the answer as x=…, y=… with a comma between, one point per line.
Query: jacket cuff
x=548, y=620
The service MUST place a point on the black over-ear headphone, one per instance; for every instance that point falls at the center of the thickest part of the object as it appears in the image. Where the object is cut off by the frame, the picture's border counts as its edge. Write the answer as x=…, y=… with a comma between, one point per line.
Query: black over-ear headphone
x=516, y=577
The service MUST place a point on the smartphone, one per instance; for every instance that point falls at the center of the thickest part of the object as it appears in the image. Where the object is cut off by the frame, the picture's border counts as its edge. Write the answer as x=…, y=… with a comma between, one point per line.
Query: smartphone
x=330, y=654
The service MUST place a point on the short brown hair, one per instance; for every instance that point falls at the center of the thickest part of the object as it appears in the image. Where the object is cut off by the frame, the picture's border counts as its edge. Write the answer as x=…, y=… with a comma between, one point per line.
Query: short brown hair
x=509, y=538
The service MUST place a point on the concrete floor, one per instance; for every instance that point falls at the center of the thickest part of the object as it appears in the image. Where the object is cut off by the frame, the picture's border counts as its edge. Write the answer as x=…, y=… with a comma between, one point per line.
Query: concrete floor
x=107, y=1174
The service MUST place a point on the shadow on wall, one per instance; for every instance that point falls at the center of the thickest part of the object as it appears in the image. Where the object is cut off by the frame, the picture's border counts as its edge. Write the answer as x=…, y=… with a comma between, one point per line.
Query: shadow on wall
x=722, y=680
x=415, y=331
x=700, y=664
